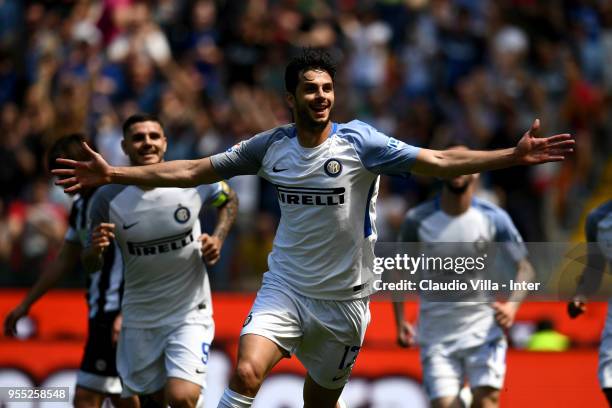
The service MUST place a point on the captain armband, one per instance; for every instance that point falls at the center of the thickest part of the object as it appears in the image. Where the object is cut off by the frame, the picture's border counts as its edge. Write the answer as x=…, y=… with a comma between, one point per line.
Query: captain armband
x=223, y=195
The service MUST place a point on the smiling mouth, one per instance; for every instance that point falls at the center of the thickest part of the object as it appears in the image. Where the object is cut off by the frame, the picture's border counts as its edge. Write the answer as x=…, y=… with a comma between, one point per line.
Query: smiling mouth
x=148, y=155
x=319, y=110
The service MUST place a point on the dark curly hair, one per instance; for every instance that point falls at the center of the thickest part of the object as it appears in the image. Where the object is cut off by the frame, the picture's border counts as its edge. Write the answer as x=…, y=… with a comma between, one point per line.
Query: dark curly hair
x=309, y=58
x=67, y=147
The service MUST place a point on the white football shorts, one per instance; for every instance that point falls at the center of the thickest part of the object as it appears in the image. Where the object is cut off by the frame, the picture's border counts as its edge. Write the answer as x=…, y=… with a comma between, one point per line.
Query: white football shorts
x=444, y=371
x=146, y=358
x=325, y=335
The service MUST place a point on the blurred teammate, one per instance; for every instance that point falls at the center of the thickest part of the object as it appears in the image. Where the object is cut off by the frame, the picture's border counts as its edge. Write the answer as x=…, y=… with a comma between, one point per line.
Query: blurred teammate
x=97, y=377
x=167, y=311
x=599, y=234
x=462, y=339
x=314, y=300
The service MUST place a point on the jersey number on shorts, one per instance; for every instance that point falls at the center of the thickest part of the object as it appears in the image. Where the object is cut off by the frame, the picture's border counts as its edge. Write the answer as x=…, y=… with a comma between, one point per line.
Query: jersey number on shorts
x=205, y=351
x=354, y=349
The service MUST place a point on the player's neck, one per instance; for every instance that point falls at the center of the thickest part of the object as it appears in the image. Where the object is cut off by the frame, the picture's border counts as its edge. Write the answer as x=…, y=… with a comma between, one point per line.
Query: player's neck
x=455, y=204
x=308, y=137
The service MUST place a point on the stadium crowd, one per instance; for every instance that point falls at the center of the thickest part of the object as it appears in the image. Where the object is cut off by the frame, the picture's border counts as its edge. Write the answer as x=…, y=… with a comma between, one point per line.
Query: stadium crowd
x=427, y=72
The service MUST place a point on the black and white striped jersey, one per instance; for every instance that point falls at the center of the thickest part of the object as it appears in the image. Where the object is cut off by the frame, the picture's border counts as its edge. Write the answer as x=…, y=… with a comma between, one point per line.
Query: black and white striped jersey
x=104, y=287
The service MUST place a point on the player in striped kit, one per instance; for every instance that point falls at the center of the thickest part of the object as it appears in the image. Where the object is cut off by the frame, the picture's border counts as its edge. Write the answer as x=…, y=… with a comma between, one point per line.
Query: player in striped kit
x=314, y=299
x=97, y=377
x=599, y=236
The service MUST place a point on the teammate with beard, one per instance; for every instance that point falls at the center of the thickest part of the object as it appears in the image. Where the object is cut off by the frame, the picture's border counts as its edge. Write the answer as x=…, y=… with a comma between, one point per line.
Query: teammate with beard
x=167, y=326
x=314, y=299
x=599, y=236
x=462, y=339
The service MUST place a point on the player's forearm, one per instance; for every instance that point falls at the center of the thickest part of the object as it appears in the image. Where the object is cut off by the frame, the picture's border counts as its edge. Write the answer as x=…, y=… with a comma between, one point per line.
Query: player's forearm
x=66, y=261
x=456, y=162
x=524, y=273
x=398, y=312
x=92, y=260
x=592, y=275
x=590, y=280
x=175, y=173
x=227, y=216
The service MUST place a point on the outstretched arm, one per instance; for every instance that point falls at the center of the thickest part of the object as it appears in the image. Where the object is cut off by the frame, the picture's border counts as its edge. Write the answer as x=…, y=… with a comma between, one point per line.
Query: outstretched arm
x=529, y=150
x=96, y=171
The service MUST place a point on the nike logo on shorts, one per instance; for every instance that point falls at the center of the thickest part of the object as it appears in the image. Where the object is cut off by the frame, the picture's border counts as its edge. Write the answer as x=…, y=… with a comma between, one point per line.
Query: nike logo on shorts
x=341, y=376
x=200, y=370
x=275, y=170
x=128, y=226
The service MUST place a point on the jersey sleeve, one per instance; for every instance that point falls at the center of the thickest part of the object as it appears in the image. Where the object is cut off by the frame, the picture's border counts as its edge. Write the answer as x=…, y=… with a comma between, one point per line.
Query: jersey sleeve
x=71, y=233
x=215, y=195
x=506, y=232
x=245, y=157
x=378, y=152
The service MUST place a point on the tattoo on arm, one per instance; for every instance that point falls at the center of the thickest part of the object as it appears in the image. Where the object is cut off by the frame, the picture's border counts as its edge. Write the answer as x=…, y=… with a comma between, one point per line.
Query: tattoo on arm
x=227, y=216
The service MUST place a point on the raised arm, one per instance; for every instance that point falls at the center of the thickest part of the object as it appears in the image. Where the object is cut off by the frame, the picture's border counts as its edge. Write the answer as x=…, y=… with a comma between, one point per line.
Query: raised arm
x=529, y=150
x=96, y=171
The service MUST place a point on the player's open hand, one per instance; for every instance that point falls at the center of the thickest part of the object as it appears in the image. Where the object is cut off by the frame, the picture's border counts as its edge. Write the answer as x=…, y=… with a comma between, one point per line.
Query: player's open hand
x=575, y=308
x=101, y=237
x=10, y=322
x=505, y=313
x=534, y=150
x=211, y=248
x=83, y=174
x=406, y=335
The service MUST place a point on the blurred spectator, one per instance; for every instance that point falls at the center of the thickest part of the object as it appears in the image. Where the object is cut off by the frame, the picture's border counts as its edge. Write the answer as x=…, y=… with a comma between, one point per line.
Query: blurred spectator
x=38, y=228
x=6, y=244
x=546, y=338
x=424, y=71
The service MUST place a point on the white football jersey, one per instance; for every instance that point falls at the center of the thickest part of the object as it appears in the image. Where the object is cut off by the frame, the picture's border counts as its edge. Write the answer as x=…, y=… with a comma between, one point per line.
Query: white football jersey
x=466, y=323
x=157, y=231
x=324, y=245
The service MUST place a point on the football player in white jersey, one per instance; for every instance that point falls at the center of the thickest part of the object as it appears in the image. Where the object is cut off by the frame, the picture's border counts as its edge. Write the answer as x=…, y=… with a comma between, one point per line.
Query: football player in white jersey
x=167, y=325
x=97, y=377
x=463, y=339
x=599, y=253
x=314, y=300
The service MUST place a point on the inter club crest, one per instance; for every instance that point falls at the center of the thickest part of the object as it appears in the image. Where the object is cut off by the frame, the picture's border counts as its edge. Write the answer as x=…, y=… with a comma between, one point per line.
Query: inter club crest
x=333, y=167
x=182, y=214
